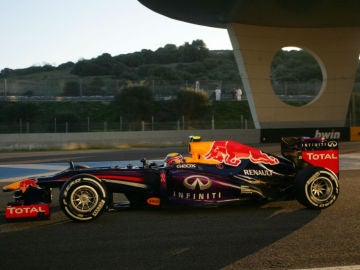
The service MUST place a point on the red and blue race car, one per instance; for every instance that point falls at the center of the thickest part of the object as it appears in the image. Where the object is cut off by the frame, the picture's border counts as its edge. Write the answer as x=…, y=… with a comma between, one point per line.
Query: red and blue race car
x=214, y=173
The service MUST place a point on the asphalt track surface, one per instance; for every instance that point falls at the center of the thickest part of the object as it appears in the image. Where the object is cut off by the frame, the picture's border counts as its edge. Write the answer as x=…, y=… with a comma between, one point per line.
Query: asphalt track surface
x=277, y=235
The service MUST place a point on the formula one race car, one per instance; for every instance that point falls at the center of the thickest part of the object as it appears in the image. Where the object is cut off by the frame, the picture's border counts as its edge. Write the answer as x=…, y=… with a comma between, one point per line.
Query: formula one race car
x=215, y=173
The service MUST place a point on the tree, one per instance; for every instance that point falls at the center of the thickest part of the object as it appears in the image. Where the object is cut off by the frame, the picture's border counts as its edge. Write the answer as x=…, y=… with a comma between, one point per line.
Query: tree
x=193, y=104
x=66, y=65
x=167, y=54
x=196, y=51
x=95, y=87
x=13, y=112
x=71, y=89
x=135, y=103
x=101, y=65
x=6, y=72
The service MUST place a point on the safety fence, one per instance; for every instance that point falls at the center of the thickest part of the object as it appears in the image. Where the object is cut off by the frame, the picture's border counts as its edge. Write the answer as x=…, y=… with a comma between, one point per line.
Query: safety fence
x=87, y=125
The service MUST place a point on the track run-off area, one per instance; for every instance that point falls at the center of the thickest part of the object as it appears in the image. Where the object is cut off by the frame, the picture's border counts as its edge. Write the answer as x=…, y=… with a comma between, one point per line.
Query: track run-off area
x=277, y=235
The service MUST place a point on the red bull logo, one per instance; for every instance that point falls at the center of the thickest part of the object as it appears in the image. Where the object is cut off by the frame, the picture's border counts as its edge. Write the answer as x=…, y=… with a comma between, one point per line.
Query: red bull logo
x=231, y=153
x=23, y=185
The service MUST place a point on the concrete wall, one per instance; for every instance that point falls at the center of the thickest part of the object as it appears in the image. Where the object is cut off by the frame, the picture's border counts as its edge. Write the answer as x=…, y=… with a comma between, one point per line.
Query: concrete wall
x=68, y=141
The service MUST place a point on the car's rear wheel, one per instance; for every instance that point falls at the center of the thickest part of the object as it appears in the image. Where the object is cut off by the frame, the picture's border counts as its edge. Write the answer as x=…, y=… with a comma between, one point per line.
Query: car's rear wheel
x=83, y=198
x=316, y=187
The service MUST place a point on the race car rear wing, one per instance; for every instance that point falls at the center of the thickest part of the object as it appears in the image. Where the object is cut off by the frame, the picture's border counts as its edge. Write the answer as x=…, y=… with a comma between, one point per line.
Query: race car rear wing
x=305, y=151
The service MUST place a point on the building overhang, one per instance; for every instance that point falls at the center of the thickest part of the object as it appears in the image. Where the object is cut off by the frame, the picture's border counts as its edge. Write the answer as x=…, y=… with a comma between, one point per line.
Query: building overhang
x=275, y=13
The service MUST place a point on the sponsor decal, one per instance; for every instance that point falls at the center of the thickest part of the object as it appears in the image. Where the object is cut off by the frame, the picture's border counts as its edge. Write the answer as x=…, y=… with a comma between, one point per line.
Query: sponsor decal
x=354, y=133
x=231, y=153
x=98, y=208
x=163, y=177
x=22, y=211
x=196, y=196
x=197, y=181
x=335, y=133
x=198, y=184
x=319, y=145
x=332, y=144
x=328, y=134
x=22, y=185
x=186, y=166
x=258, y=172
x=27, y=183
x=321, y=156
x=154, y=201
x=324, y=158
x=220, y=166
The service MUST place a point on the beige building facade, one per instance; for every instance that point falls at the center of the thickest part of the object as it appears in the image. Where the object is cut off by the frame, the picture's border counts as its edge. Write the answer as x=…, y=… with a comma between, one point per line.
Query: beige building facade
x=337, y=53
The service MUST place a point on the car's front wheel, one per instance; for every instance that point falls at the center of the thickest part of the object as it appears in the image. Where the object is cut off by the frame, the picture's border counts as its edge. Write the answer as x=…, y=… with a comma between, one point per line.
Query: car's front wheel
x=316, y=187
x=83, y=198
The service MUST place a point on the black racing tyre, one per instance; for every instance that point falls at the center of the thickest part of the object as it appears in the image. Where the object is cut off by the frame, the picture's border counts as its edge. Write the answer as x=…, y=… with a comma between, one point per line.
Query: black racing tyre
x=83, y=198
x=316, y=187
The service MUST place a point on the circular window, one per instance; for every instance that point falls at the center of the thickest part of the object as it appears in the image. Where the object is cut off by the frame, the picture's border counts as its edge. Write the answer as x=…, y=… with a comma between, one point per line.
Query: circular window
x=296, y=76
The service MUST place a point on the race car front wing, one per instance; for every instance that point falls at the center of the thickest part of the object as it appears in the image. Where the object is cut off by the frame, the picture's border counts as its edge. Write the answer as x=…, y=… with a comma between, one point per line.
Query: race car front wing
x=17, y=211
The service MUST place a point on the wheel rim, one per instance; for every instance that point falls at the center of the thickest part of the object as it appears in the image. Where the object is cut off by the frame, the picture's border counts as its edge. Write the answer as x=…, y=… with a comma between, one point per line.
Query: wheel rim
x=321, y=189
x=84, y=199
